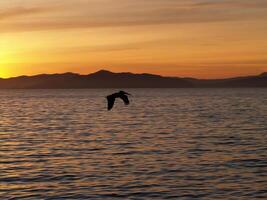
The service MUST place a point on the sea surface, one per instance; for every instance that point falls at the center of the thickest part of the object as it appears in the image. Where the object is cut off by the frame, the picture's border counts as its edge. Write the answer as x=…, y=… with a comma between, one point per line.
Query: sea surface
x=167, y=144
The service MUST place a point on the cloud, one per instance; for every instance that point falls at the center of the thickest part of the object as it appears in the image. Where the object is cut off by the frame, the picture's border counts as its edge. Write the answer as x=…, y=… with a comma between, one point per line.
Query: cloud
x=124, y=46
x=232, y=4
x=19, y=12
x=107, y=13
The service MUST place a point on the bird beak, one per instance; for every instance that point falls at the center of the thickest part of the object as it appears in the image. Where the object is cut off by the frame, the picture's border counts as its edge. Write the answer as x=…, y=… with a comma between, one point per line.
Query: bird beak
x=128, y=94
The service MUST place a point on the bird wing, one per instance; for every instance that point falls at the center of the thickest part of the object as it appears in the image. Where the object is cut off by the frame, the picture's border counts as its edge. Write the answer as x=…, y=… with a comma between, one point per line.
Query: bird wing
x=125, y=99
x=111, y=101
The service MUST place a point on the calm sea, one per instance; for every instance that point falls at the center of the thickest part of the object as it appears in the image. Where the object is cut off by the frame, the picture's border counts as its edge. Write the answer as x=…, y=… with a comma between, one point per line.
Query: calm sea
x=168, y=144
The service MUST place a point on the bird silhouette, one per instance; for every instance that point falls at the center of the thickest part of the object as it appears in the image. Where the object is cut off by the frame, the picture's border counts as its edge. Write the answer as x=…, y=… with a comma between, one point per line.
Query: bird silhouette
x=121, y=94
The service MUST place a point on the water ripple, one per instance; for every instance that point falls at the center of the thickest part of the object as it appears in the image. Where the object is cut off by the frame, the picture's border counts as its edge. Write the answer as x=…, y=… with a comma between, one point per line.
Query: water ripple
x=169, y=144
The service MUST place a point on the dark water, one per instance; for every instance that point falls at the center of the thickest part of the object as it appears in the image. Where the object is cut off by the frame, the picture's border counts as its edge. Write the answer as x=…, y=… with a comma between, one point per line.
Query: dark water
x=168, y=144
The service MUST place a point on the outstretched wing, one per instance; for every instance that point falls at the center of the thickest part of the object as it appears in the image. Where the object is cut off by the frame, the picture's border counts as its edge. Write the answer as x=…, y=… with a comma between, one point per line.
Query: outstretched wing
x=125, y=99
x=111, y=101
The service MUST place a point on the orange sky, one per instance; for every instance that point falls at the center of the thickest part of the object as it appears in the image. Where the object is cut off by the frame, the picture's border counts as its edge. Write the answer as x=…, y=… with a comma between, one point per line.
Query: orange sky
x=197, y=38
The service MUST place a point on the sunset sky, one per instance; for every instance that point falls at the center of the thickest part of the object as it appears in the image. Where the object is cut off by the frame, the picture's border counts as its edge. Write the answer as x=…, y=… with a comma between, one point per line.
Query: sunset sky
x=197, y=38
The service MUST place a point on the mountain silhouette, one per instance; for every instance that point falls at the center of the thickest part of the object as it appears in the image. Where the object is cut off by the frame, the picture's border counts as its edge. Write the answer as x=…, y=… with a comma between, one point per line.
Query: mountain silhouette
x=107, y=79
x=264, y=74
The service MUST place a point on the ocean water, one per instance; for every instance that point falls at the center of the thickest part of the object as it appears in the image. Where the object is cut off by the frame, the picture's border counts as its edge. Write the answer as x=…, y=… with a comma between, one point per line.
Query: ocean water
x=168, y=144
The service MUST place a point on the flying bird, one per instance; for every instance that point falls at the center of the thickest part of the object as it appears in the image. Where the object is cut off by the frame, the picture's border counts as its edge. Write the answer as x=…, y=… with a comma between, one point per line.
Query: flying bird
x=121, y=94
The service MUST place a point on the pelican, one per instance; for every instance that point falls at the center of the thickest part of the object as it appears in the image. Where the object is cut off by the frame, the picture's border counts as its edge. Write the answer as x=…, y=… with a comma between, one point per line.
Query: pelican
x=121, y=94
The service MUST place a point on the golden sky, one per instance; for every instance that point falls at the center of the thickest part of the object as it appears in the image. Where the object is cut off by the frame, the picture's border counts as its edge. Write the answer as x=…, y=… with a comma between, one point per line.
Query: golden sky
x=197, y=38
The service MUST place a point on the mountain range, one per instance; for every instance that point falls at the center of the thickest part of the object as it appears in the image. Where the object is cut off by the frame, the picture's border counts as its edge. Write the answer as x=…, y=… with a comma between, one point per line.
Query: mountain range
x=107, y=79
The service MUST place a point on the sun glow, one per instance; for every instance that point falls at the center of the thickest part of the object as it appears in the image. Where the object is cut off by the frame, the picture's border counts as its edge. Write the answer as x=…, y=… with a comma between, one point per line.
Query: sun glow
x=5, y=57
x=4, y=72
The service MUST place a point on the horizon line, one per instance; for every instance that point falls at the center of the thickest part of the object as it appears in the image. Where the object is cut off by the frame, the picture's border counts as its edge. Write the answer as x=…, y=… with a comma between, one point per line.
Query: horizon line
x=108, y=71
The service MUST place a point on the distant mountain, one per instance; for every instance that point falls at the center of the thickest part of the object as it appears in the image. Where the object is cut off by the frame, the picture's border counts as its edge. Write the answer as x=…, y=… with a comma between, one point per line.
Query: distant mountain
x=238, y=82
x=107, y=79
x=264, y=74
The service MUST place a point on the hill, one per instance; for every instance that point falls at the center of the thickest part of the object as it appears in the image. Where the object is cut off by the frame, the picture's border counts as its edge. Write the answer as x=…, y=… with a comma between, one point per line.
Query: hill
x=107, y=79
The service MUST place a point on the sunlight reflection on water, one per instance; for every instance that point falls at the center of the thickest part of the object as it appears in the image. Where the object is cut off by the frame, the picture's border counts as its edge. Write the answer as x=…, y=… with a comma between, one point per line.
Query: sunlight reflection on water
x=168, y=144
